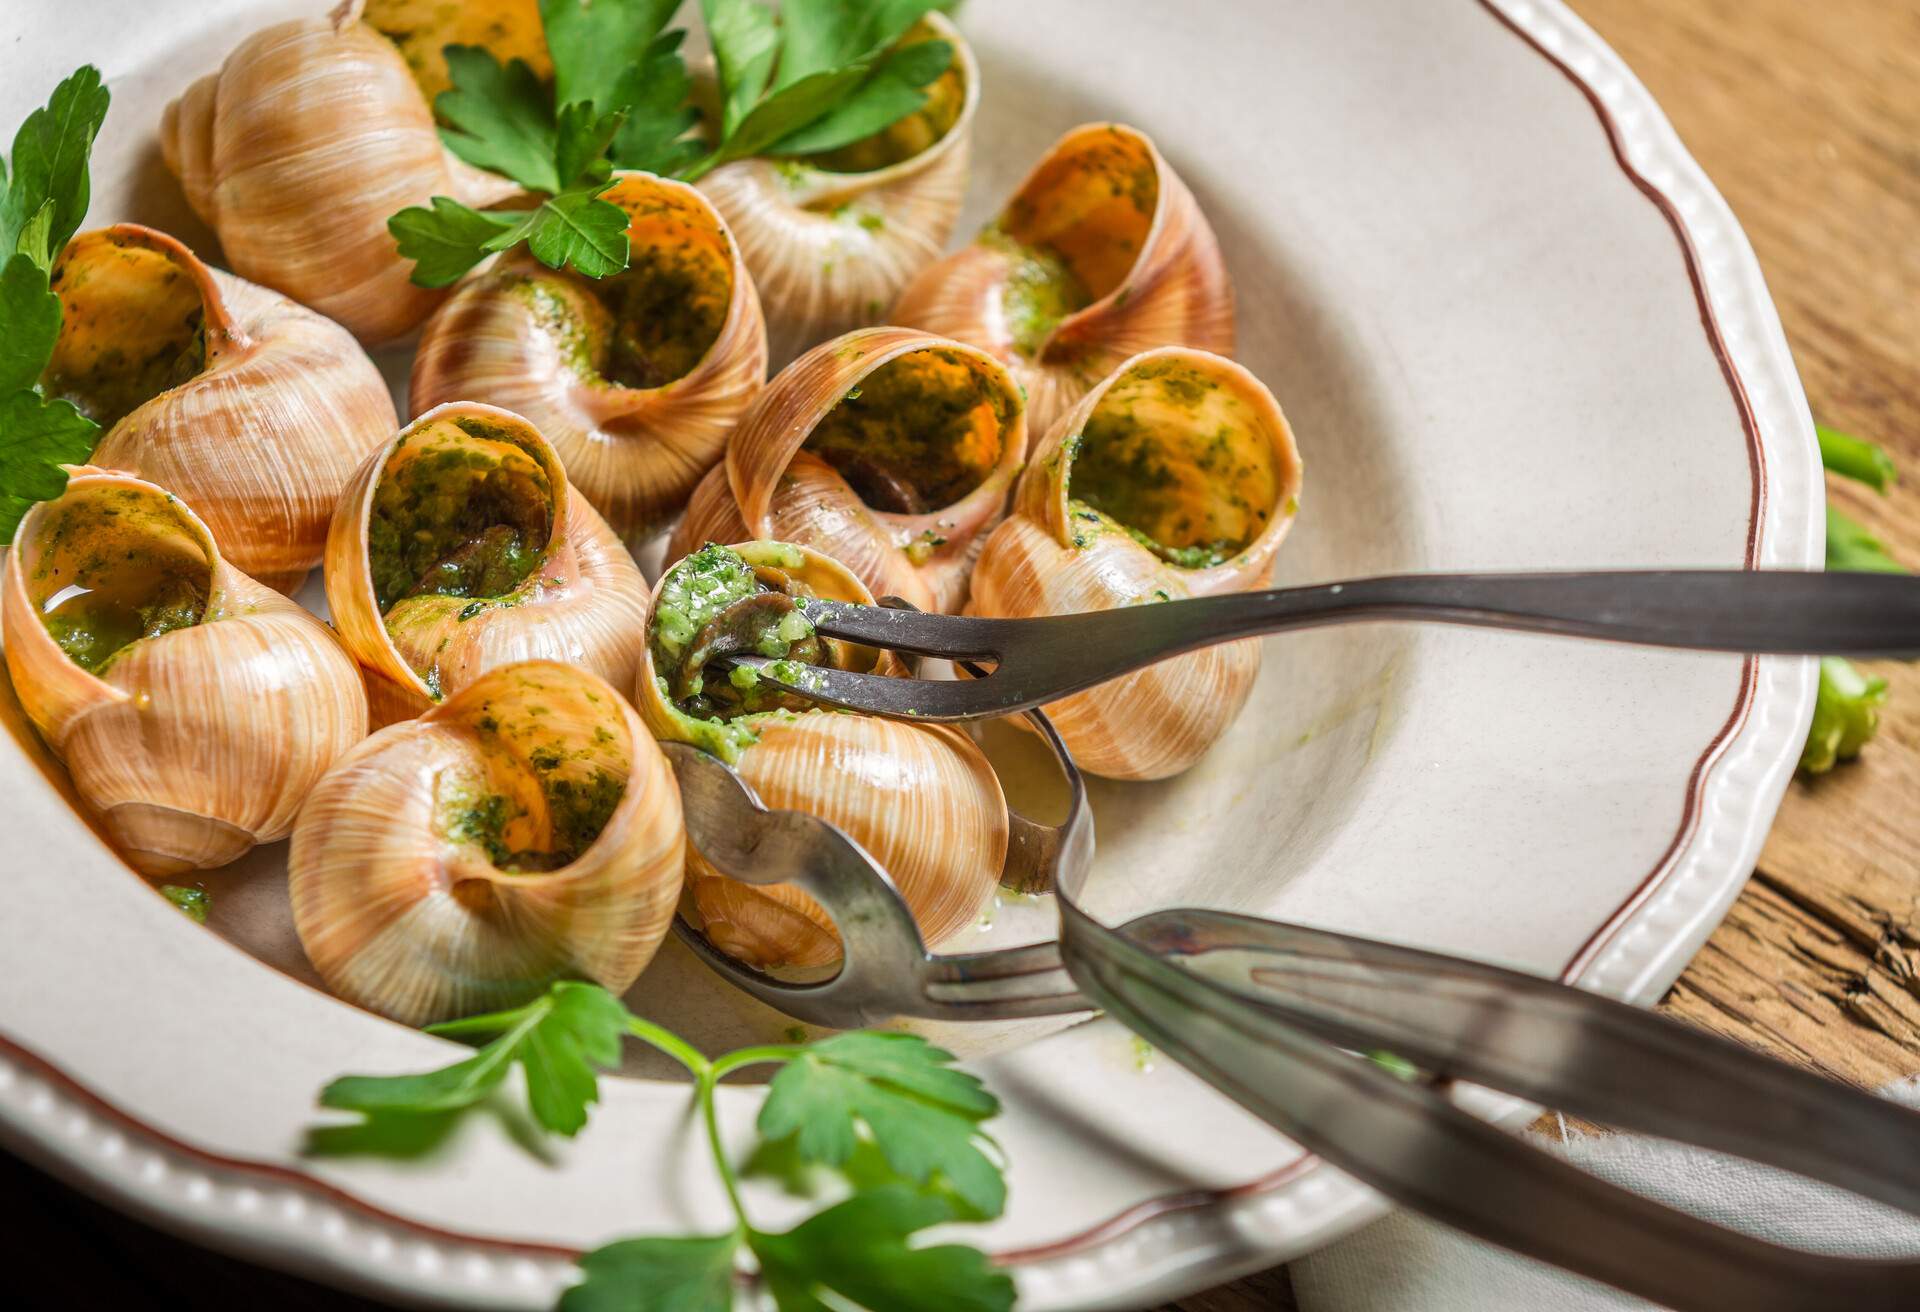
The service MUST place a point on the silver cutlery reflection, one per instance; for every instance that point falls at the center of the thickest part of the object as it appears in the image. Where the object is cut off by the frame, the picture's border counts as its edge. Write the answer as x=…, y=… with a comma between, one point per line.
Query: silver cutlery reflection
x=1039, y=660
x=1276, y=1016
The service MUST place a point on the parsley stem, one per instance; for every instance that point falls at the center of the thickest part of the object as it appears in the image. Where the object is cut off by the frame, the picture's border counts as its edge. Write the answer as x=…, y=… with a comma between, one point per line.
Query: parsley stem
x=744, y=1057
x=709, y=1113
x=671, y=1044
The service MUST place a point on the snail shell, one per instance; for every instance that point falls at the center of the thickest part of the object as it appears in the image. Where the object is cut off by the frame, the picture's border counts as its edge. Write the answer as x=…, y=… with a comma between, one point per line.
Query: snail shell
x=1190, y=452
x=195, y=743
x=253, y=409
x=1101, y=253
x=526, y=829
x=921, y=799
x=832, y=240
x=459, y=546
x=888, y=449
x=312, y=134
x=635, y=379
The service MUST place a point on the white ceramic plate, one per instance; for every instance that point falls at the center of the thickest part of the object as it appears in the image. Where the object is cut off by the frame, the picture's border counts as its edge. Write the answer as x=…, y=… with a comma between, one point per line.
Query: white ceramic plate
x=1513, y=325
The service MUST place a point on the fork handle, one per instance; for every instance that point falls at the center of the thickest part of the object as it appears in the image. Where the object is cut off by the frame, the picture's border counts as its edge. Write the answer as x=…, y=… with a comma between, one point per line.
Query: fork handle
x=1760, y=611
x=1410, y=1142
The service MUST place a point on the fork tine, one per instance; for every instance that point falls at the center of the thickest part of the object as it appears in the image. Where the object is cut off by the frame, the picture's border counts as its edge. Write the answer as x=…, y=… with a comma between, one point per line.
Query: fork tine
x=929, y=701
x=905, y=629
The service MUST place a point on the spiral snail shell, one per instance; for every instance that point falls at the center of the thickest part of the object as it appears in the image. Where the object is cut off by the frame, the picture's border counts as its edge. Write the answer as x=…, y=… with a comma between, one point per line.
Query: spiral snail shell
x=194, y=707
x=1176, y=476
x=636, y=379
x=526, y=829
x=253, y=409
x=887, y=449
x=920, y=798
x=832, y=239
x=1101, y=253
x=314, y=132
x=459, y=546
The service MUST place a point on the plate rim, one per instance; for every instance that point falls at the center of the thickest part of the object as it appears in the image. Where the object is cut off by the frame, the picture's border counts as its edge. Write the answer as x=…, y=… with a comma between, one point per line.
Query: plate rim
x=1160, y=1247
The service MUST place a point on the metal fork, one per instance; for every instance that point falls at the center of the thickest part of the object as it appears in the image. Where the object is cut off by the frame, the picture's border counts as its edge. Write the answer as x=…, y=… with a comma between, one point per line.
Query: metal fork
x=1274, y=1015
x=1040, y=660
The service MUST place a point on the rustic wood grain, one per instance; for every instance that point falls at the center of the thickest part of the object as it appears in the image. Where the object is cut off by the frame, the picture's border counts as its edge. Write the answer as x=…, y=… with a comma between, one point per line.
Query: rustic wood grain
x=1807, y=117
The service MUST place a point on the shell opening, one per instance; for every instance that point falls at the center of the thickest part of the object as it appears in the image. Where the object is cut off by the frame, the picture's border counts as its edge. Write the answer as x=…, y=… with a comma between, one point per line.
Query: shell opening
x=726, y=601
x=423, y=29
x=132, y=326
x=654, y=323
x=464, y=508
x=715, y=604
x=919, y=131
x=111, y=565
x=918, y=433
x=549, y=766
x=1175, y=460
x=1075, y=230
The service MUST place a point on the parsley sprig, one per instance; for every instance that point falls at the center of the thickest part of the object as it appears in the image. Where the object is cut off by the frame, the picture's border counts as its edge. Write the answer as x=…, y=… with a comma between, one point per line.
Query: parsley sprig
x=1847, y=706
x=43, y=199
x=888, y=1111
x=821, y=75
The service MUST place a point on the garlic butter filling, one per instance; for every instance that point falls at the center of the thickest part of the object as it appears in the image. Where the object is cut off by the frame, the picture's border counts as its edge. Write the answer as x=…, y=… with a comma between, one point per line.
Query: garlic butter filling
x=1178, y=464
x=114, y=568
x=920, y=432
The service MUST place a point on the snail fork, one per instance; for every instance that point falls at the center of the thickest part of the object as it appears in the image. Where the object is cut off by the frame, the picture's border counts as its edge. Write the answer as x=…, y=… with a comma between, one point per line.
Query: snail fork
x=1042, y=659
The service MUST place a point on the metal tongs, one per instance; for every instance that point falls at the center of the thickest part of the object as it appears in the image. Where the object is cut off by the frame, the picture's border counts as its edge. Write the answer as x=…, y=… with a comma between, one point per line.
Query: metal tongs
x=1276, y=1015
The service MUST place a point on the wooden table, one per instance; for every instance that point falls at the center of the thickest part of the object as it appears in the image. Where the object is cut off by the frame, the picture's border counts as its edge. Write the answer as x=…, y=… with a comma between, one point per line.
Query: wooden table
x=1807, y=116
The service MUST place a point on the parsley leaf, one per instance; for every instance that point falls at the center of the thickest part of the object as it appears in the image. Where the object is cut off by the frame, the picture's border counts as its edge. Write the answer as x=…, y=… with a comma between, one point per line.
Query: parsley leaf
x=1846, y=713
x=923, y=1115
x=694, y=1274
x=447, y=240
x=29, y=322
x=1856, y=458
x=1851, y=547
x=50, y=167
x=824, y=34
x=654, y=94
x=857, y=1252
x=499, y=119
x=558, y=1039
x=596, y=43
x=892, y=93
x=43, y=199
x=37, y=437
x=746, y=42
x=827, y=73
x=921, y=1118
x=581, y=138
x=573, y=228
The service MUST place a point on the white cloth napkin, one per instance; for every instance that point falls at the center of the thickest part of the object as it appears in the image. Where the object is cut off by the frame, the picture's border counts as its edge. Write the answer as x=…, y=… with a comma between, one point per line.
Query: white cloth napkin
x=1404, y=1263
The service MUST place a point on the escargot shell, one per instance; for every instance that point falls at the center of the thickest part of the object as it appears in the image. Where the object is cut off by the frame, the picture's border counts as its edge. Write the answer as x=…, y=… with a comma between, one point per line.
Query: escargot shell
x=890, y=450
x=636, y=379
x=1101, y=253
x=920, y=798
x=460, y=546
x=253, y=409
x=194, y=707
x=1177, y=476
x=832, y=239
x=315, y=132
x=526, y=829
